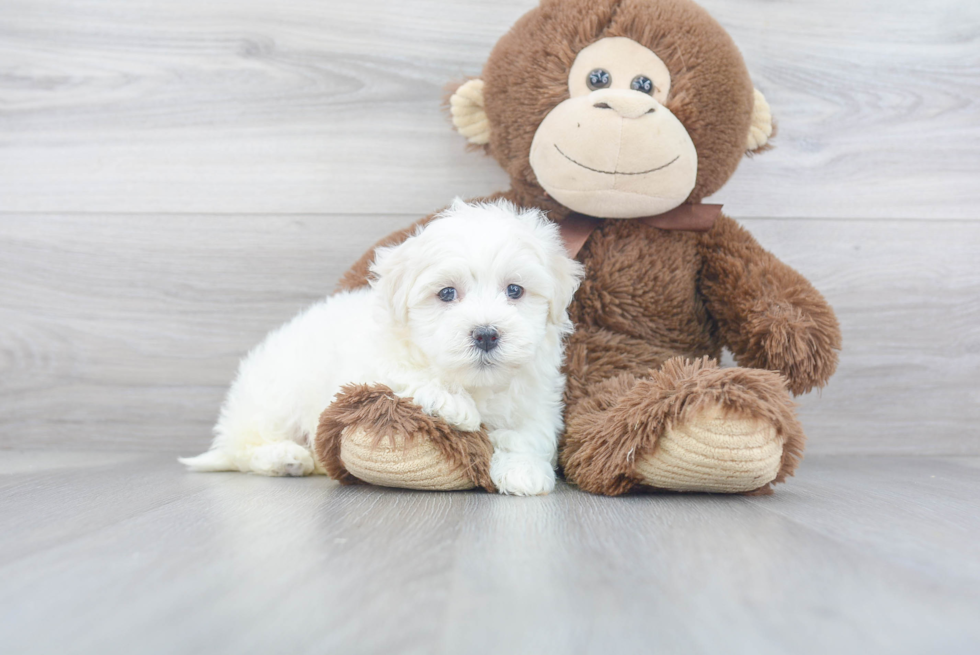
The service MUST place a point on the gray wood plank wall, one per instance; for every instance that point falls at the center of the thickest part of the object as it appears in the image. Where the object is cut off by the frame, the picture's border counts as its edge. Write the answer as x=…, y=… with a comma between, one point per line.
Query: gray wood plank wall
x=177, y=178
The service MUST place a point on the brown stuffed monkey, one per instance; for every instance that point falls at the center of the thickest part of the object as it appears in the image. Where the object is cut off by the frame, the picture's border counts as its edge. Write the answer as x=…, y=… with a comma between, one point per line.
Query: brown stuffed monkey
x=618, y=117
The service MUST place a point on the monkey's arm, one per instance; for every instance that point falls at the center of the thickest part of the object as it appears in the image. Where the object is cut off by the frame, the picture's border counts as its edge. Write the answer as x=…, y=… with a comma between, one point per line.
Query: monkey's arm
x=769, y=315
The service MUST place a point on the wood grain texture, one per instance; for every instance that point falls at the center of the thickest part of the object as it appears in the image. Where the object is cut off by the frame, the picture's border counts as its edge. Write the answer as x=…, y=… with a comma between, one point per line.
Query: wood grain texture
x=123, y=332
x=858, y=555
x=908, y=299
x=243, y=106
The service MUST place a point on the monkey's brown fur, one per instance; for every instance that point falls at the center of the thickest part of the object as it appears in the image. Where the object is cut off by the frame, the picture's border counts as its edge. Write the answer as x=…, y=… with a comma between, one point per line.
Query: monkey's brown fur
x=656, y=307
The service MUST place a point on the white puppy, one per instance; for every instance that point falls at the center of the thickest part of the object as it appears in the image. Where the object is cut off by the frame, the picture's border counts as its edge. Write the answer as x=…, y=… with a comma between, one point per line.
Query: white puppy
x=466, y=317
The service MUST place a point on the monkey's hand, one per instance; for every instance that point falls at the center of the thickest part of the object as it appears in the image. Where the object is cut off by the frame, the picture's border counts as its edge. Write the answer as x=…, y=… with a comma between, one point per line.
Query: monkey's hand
x=785, y=337
x=768, y=314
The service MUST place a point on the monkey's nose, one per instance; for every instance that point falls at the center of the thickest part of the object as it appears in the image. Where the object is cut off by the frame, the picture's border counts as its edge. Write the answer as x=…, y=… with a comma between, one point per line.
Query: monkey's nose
x=628, y=104
x=485, y=338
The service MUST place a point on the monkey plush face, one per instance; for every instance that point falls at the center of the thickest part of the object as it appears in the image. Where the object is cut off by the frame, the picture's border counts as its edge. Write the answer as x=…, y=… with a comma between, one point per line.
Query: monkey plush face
x=614, y=108
x=613, y=149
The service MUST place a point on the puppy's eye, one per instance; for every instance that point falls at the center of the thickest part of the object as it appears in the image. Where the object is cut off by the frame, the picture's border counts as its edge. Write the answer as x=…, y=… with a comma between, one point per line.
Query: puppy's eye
x=643, y=84
x=447, y=295
x=514, y=291
x=598, y=79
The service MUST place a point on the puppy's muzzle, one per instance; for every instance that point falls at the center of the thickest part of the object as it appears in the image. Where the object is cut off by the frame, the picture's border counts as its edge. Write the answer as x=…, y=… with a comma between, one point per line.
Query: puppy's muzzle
x=485, y=338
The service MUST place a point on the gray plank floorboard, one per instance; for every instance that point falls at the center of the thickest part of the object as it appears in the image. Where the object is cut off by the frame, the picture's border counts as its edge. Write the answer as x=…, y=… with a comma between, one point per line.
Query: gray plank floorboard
x=122, y=332
x=304, y=106
x=871, y=554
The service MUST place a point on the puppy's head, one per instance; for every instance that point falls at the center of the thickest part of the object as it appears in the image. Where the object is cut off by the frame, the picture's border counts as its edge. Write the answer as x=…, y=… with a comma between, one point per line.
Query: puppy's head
x=479, y=292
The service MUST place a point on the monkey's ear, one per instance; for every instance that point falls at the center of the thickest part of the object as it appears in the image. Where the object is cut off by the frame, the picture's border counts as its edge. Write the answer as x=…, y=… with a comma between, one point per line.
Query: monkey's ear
x=469, y=117
x=761, y=129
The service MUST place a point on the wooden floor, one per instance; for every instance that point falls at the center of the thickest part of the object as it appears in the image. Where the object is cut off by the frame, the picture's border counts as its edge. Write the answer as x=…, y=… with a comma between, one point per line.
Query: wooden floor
x=179, y=177
x=128, y=554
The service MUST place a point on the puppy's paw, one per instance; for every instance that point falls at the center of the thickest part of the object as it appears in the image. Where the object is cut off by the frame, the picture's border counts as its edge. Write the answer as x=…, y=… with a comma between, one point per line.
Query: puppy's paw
x=462, y=414
x=457, y=409
x=283, y=458
x=521, y=475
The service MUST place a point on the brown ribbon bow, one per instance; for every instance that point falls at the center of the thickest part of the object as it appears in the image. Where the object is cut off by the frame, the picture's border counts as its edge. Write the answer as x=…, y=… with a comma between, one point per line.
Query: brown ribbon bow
x=576, y=228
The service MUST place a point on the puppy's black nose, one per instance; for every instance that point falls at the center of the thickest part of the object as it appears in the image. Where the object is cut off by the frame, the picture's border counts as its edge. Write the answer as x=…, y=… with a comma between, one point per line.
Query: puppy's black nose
x=485, y=338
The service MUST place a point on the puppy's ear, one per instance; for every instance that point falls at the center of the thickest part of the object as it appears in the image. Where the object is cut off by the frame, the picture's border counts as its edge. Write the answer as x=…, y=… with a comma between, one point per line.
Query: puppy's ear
x=566, y=273
x=391, y=279
x=457, y=206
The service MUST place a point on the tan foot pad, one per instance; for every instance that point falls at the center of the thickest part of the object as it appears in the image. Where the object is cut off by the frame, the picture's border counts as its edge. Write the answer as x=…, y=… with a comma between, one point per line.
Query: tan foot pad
x=391, y=464
x=715, y=453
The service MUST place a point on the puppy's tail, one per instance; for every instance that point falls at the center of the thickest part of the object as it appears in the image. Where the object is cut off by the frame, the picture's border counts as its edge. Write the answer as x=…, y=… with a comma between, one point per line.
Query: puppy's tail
x=212, y=460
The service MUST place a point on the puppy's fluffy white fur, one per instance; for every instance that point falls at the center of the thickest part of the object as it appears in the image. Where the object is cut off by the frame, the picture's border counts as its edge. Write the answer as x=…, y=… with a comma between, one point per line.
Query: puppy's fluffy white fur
x=400, y=333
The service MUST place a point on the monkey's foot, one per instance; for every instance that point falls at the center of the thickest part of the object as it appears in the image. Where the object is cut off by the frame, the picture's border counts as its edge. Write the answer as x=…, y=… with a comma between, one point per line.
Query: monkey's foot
x=738, y=433
x=369, y=435
x=716, y=452
x=689, y=426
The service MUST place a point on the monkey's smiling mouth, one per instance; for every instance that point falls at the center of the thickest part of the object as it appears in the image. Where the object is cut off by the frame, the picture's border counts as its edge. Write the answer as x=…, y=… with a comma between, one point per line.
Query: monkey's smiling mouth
x=596, y=170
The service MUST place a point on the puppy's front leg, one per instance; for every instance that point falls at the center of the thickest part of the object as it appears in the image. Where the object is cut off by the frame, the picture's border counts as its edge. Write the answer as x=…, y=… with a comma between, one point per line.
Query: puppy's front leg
x=523, y=462
x=457, y=407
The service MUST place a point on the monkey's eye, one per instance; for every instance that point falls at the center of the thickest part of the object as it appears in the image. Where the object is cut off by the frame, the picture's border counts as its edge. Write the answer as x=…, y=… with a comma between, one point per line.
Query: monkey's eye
x=447, y=295
x=514, y=291
x=598, y=79
x=643, y=84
